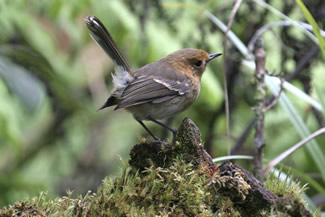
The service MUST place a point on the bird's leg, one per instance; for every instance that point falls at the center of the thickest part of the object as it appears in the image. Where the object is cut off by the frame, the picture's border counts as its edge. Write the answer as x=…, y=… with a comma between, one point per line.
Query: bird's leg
x=165, y=126
x=151, y=134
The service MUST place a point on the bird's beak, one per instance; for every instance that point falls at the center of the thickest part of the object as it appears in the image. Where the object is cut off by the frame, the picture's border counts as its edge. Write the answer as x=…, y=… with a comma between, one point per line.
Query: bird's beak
x=212, y=56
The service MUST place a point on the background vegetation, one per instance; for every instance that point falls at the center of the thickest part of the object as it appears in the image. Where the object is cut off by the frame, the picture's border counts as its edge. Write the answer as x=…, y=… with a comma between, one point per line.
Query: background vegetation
x=54, y=77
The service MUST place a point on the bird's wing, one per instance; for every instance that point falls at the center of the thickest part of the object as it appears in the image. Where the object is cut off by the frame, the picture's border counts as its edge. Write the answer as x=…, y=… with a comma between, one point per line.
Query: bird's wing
x=155, y=90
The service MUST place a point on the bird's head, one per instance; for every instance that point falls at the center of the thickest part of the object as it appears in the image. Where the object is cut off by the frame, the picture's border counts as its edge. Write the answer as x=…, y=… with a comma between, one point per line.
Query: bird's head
x=190, y=61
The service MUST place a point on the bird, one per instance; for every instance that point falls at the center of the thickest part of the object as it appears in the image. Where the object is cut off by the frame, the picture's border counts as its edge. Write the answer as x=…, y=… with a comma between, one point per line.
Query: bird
x=158, y=90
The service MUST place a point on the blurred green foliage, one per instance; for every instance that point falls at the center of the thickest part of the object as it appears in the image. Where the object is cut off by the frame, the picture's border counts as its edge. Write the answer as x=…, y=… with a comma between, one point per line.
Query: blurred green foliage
x=54, y=77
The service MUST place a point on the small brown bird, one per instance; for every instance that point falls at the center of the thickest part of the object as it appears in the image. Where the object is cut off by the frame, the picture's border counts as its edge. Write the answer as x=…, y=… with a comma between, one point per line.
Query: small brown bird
x=158, y=90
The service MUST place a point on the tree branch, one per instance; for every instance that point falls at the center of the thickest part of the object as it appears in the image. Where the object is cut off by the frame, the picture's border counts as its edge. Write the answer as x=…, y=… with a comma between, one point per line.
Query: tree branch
x=260, y=57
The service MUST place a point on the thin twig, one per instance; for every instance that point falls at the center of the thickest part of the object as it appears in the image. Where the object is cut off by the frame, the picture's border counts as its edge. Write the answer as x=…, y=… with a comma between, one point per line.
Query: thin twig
x=260, y=57
x=232, y=16
x=285, y=154
x=270, y=26
x=303, y=62
x=276, y=99
x=241, y=140
x=263, y=29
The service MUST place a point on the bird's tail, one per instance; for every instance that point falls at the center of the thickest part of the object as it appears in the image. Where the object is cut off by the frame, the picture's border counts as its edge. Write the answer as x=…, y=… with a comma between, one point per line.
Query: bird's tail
x=112, y=100
x=122, y=76
x=102, y=37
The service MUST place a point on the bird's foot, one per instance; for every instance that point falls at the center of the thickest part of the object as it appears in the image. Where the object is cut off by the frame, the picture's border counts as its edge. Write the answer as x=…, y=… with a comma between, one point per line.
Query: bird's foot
x=155, y=138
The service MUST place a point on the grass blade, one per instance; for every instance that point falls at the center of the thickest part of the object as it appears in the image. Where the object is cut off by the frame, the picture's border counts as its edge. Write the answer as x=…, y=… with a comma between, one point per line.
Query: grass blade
x=312, y=22
x=301, y=128
x=233, y=157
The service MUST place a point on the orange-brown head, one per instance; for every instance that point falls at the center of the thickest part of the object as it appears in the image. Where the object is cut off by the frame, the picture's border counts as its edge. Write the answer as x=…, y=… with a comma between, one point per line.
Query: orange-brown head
x=190, y=61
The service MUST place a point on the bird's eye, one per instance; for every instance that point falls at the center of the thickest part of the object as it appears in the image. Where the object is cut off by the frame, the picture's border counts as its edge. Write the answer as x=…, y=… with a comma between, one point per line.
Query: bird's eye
x=198, y=63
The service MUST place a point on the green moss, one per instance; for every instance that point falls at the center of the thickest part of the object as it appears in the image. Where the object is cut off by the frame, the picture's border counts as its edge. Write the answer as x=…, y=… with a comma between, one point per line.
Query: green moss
x=286, y=187
x=180, y=180
x=290, y=202
x=180, y=190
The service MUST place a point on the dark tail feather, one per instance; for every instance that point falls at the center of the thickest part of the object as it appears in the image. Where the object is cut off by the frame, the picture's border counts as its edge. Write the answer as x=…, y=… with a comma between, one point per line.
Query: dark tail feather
x=109, y=102
x=100, y=34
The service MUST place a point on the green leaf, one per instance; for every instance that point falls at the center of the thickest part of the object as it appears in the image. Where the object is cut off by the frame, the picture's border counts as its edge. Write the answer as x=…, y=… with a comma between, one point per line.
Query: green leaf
x=313, y=23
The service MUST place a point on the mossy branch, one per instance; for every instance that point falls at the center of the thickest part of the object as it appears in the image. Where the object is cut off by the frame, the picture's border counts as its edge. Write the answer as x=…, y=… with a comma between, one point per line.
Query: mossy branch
x=260, y=57
x=174, y=180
